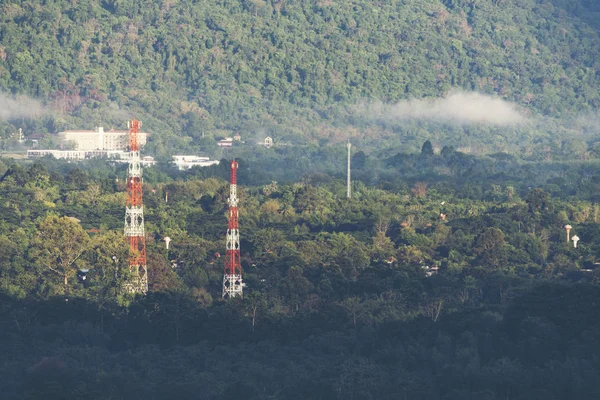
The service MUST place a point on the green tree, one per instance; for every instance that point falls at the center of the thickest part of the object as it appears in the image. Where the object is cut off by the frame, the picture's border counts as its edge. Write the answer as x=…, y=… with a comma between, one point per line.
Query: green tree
x=297, y=286
x=427, y=149
x=256, y=304
x=538, y=200
x=491, y=248
x=355, y=307
x=59, y=246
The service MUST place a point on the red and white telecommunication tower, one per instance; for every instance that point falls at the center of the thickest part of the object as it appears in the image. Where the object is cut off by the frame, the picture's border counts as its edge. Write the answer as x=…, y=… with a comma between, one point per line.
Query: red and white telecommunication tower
x=232, y=279
x=134, y=215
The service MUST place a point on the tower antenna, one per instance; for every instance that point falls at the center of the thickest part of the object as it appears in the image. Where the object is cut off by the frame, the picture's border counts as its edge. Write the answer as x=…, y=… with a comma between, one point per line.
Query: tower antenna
x=134, y=215
x=232, y=278
x=349, y=194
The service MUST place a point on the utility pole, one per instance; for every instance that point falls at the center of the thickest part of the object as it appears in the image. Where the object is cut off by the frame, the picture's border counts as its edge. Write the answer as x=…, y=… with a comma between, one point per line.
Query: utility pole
x=349, y=146
x=232, y=278
x=134, y=215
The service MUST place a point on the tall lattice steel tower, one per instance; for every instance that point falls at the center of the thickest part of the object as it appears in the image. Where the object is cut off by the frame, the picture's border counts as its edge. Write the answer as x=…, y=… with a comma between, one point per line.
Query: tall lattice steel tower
x=134, y=215
x=232, y=279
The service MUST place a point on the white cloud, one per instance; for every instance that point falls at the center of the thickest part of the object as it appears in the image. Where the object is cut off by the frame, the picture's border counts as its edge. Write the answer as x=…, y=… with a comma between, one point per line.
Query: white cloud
x=456, y=108
x=19, y=107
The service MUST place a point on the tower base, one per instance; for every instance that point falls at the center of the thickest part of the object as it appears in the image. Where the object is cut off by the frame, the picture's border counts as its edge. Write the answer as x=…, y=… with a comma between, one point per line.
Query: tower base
x=138, y=283
x=232, y=286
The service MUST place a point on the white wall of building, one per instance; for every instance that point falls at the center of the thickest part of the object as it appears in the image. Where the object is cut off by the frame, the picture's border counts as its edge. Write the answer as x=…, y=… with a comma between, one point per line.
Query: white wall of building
x=100, y=139
x=187, y=162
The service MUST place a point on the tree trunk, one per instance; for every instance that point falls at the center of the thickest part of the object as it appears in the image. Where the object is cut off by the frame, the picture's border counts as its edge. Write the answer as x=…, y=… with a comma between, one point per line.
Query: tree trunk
x=436, y=309
x=502, y=293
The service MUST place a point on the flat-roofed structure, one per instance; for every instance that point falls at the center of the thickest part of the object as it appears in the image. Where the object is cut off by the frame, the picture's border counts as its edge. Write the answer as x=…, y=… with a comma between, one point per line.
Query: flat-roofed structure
x=77, y=154
x=99, y=139
x=58, y=154
x=112, y=155
x=227, y=142
x=187, y=162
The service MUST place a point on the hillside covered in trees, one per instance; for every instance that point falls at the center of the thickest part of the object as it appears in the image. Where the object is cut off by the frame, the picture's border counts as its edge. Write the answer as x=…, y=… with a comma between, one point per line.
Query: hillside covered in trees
x=303, y=71
x=448, y=274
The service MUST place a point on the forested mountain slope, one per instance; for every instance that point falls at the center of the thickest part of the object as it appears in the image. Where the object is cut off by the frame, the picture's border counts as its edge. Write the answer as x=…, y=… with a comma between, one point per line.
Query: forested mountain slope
x=292, y=69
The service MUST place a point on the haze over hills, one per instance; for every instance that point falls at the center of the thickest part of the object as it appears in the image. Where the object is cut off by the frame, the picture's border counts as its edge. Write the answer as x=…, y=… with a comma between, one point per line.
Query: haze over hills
x=307, y=71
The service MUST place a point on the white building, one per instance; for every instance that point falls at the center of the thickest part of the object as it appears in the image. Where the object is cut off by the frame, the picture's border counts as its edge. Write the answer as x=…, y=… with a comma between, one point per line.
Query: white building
x=227, y=142
x=113, y=155
x=100, y=139
x=58, y=154
x=187, y=162
x=78, y=154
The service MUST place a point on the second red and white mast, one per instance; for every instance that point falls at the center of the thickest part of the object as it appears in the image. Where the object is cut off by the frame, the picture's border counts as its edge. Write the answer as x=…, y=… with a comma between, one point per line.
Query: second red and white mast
x=232, y=278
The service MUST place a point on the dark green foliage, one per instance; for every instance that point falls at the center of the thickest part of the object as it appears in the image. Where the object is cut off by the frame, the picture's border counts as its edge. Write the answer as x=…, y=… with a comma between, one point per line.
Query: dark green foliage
x=446, y=276
x=427, y=149
x=548, y=332
x=377, y=296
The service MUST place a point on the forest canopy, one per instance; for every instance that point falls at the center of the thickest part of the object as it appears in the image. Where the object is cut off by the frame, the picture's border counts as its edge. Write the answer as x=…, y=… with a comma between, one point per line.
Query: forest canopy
x=471, y=274
x=463, y=265
x=297, y=70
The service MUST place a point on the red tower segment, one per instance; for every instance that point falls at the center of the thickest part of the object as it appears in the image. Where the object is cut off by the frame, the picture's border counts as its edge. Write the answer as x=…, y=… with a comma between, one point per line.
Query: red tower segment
x=232, y=279
x=134, y=130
